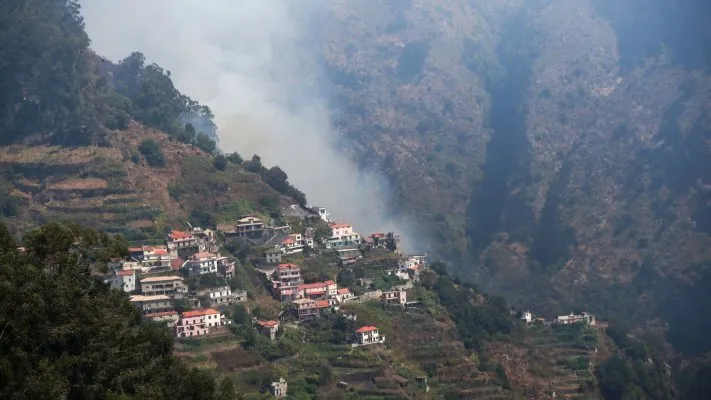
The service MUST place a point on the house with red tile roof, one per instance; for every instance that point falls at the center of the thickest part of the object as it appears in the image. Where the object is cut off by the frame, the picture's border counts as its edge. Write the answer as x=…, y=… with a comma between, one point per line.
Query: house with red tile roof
x=343, y=295
x=198, y=322
x=318, y=289
x=309, y=308
x=368, y=334
x=184, y=244
x=268, y=328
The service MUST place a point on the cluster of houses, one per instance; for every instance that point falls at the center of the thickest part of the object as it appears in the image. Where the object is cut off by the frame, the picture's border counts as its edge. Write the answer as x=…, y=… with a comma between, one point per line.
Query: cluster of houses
x=153, y=276
x=570, y=319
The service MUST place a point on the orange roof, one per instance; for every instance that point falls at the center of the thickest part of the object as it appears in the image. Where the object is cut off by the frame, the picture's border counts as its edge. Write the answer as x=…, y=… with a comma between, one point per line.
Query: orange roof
x=268, y=324
x=125, y=273
x=160, y=252
x=366, y=329
x=175, y=235
x=323, y=304
x=199, y=313
x=162, y=314
x=176, y=263
x=288, y=266
x=344, y=291
x=315, y=285
x=329, y=282
x=336, y=226
x=135, y=249
x=288, y=241
x=377, y=235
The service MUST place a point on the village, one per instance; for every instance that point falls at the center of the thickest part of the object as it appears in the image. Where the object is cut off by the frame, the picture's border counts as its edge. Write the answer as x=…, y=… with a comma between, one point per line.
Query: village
x=187, y=283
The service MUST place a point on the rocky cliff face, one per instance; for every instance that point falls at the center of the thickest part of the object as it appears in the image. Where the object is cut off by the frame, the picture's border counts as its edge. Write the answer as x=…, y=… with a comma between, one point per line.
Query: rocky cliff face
x=559, y=150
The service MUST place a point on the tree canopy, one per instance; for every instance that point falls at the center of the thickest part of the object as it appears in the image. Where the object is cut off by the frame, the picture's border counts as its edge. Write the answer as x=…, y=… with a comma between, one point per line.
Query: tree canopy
x=65, y=335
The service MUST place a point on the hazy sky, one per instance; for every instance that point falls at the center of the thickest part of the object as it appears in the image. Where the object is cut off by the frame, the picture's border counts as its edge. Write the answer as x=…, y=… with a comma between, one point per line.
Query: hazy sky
x=250, y=62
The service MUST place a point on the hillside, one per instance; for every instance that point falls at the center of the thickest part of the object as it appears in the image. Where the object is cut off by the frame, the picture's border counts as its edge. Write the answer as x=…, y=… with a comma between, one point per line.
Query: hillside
x=560, y=156
x=115, y=189
x=525, y=136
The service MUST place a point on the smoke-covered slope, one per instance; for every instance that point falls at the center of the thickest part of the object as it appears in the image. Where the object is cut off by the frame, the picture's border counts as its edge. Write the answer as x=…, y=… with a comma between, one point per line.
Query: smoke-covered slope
x=560, y=149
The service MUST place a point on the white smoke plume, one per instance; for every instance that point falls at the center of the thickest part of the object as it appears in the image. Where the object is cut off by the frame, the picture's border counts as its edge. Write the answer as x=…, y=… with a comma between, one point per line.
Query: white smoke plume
x=251, y=61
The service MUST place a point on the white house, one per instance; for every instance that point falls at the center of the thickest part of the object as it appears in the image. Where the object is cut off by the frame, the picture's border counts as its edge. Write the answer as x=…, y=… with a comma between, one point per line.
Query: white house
x=583, y=318
x=368, y=335
x=322, y=213
x=278, y=389
x=208, y=263
x=339, y=230
x=222, y=296
x=124, y=280
x=527, y=317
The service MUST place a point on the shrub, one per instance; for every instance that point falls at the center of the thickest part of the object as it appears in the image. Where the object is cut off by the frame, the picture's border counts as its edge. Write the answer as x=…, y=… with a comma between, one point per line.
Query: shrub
x=235, y=158
x=152, y=152
x=220, y=162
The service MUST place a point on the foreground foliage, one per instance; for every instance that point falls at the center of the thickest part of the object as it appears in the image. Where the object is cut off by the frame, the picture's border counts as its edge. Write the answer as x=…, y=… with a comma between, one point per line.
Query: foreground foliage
x=65, y=334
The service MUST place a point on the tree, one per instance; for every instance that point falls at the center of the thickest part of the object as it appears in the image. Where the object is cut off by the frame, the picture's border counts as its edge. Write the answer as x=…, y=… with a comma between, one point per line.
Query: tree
x=203, y=142
x=235, y=158
x=66, y=334
x=152, y=152
x=220, y=162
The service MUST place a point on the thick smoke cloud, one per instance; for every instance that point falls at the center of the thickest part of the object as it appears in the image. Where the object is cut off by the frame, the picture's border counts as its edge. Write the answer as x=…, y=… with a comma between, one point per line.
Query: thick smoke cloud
x=252, y=63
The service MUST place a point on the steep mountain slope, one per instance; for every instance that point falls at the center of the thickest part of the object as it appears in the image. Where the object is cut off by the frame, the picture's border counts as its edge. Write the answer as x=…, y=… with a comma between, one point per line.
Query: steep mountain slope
x=115, y=189
x=558, y=149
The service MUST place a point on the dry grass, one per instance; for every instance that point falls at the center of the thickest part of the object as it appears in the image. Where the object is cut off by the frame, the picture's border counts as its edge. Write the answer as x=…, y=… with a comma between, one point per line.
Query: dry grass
x=55, y=155
x=80, y=184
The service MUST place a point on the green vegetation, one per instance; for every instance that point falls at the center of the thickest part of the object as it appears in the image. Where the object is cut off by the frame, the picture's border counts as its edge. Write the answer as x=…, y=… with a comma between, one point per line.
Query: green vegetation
x=152, y=152
x=67, y=335
x=276, y=178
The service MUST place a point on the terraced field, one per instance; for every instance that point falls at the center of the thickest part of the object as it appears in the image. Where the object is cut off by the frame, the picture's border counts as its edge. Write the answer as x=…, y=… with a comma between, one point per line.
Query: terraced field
x=114, y=189
x=553, y=359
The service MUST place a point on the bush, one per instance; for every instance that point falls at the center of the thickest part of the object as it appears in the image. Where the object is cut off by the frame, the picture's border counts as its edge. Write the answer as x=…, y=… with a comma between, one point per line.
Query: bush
x=220, y=162
x=235, y=158
x=203, y=142
x=152, y=152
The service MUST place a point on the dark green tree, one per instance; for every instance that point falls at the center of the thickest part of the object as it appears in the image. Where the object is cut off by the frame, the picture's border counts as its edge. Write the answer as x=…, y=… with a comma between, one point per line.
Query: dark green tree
x=66, y=334
x=220, y=162
x=152, y=152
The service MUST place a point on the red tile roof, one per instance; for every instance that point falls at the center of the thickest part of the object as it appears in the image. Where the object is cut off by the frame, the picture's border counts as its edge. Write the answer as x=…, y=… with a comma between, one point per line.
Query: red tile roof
x=329, y=282
x=315, y=285
x=135, y=249
x=323, y=304
x=160, y=252
x=268, y=324
x=288, y=266
x=175, y=235
x=288, y=241
x=366, y=329
x=336, y=226
x=176, y=263
x=199, y=313
x=125, y=273
x=344, y=291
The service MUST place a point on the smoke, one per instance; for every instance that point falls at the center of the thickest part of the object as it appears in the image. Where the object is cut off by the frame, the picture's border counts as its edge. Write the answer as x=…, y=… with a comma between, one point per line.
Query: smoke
x=254, y=64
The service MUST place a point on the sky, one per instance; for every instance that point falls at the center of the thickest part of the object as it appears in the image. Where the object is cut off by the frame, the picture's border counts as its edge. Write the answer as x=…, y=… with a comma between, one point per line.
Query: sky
x=253, y=63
